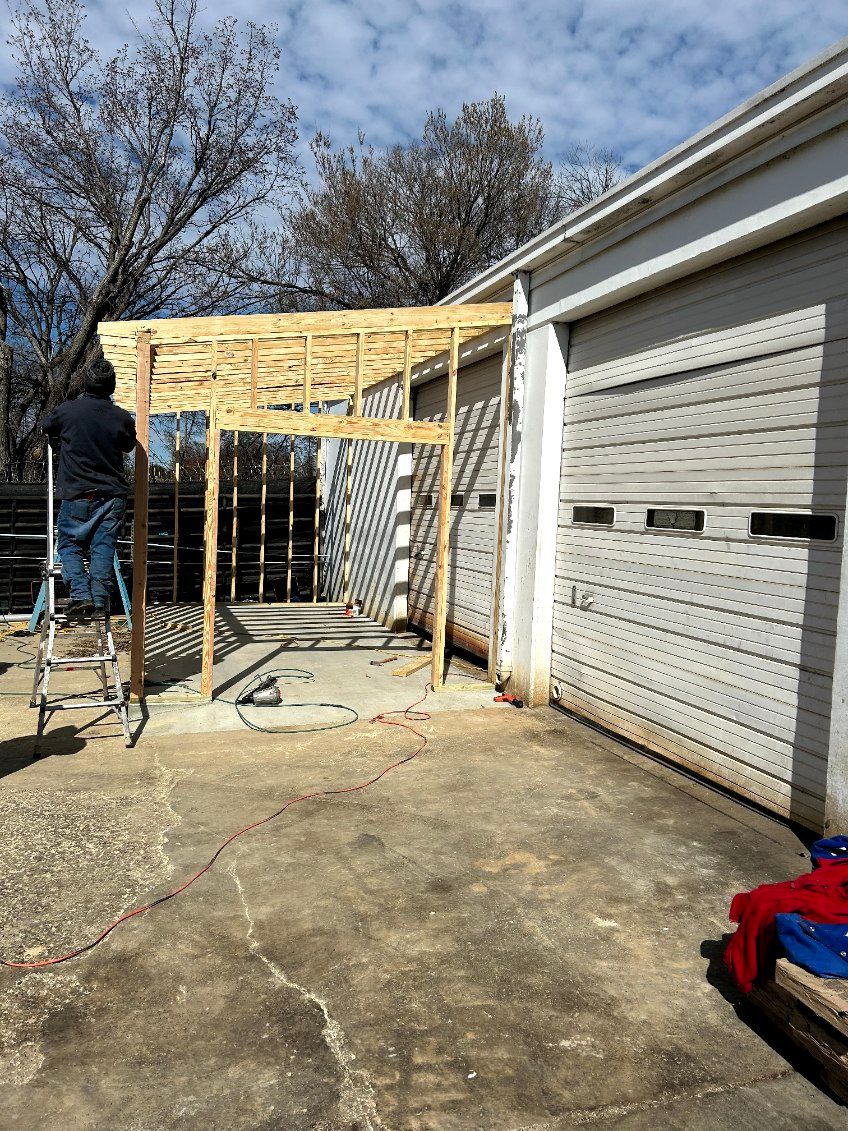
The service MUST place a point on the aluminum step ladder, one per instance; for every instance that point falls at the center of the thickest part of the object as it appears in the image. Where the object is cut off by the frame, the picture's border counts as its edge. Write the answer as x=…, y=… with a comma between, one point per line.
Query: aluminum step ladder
x=105, y=658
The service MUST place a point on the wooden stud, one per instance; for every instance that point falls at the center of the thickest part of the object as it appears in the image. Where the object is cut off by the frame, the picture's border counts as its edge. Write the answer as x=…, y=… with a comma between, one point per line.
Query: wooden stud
x=316, y=535
x=175, y=563
x=307, y=373
x=440, y=608
x=234, y=542
x=210, y=539
x=359, y=374
x=407, y=376
x=262, y=499
x=347, y=516
x=506, y=396
x=291, y=521
x=144, y=367
x=254, y=371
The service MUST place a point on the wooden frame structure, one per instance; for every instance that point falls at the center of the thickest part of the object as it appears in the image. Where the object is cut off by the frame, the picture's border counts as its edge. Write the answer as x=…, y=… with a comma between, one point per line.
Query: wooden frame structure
x=238, y=368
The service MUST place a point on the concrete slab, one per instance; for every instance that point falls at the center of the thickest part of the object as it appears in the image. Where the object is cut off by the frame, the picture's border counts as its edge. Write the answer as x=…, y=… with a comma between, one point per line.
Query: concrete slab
x=519, y=930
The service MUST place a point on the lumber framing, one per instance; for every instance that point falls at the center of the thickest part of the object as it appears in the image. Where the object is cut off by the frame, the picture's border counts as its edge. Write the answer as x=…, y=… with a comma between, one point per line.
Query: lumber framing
x=175, y=562
x=234, y=368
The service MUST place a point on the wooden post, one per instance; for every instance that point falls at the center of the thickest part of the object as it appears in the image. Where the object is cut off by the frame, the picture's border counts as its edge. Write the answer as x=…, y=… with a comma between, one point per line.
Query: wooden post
x=234, y=545
x=307, y=374
x=316, y=534
x=262, y=517
x=143, y=366
x=210, y=536
x=254, y=371
x=358, y=375
x=176, y=509
x=346, y=547
x=291, y=521
x=407, y=375
x=440, y=608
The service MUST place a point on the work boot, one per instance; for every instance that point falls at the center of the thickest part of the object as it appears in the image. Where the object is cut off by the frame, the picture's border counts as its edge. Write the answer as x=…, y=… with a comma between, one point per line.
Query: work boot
x=78, y=610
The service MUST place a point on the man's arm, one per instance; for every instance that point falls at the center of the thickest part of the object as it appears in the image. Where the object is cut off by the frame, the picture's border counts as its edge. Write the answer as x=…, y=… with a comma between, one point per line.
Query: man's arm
x=51, y=427
x=126, y=434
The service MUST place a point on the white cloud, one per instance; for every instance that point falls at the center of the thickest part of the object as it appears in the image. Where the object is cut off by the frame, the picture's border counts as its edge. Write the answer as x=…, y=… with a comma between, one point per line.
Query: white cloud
x=638, y=76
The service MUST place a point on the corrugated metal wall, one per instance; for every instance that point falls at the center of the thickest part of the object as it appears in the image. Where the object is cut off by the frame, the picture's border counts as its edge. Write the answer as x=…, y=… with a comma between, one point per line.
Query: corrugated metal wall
x=473, y=526
x=726, y=393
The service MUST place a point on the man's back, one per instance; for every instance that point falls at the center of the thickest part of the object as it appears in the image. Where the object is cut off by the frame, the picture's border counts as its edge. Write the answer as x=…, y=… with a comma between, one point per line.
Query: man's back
x=94, y=435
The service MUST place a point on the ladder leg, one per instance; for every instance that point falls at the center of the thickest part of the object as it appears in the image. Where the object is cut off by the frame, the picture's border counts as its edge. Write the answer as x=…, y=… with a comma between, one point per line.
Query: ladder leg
x=122, y=708
x=39, y=660
x=101, y=645
x=42, y=708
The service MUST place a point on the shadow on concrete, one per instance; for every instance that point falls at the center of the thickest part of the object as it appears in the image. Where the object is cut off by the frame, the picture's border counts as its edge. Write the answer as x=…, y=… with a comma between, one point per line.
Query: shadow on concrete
x=18, y=753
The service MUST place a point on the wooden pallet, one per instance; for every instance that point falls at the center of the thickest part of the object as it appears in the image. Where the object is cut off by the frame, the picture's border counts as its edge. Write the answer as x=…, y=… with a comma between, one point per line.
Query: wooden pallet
x=813, y=1012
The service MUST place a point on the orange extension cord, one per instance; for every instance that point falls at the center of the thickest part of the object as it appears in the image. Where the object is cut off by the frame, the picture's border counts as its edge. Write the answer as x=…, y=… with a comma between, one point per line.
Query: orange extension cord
x=408, y=715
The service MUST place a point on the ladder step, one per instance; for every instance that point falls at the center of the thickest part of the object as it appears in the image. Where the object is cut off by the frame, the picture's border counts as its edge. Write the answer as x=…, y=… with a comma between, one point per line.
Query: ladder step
x=56, y=661
x=94, y=704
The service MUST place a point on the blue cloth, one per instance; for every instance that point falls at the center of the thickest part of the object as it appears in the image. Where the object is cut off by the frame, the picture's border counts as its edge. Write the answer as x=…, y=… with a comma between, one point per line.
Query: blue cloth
x=821, y=948
x=829, y=849
x=89, y=526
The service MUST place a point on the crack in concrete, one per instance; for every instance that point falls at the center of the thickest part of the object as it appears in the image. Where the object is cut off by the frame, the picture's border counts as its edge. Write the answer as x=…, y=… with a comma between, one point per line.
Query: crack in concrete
x=357, y=1101
x=617, y=1111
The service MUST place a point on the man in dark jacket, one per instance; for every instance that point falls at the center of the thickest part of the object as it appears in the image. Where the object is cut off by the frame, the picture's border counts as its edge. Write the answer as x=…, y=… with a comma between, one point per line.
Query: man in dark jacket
x=93, y=435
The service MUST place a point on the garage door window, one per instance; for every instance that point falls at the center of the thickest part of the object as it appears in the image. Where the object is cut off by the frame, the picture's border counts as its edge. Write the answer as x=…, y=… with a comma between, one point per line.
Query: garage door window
x=593, y=516
x=689, y=522
x=801, y=526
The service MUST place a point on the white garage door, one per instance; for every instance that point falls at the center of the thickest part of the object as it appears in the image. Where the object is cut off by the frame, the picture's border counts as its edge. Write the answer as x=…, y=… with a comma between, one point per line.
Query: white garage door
x=473, y=510
x=701, y=518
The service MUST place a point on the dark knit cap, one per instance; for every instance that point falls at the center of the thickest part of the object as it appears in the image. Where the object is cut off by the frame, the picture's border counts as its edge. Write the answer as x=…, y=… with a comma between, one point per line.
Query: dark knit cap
x=99, y=379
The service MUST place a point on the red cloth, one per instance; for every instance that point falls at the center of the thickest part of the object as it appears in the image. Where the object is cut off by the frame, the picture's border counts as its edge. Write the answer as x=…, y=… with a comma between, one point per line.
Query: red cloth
x=821, y=895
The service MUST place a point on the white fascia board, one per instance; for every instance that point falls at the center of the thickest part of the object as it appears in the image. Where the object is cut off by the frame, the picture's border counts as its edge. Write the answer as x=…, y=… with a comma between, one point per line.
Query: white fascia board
x=803, y=93
x=775, y=200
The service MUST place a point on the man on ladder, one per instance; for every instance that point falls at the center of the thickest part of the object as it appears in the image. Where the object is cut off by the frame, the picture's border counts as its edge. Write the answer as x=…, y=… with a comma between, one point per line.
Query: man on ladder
x=93, y=435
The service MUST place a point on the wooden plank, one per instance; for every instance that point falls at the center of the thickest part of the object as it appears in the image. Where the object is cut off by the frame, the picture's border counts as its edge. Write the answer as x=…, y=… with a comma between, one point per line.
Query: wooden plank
x=828, y=997
x=284, y=423
x=234, y=537
x=440, y=608
x=236, y=327
x=175, y=563
x=497, y=596
x=316, y=536
x=262, y=500
x=413, y=666
x=407, y=376
x=144, y=366
x=254, y=371
x=210, y=543
x=347, y=518
x=307, y=374
x=359, y=374
x=290, y=548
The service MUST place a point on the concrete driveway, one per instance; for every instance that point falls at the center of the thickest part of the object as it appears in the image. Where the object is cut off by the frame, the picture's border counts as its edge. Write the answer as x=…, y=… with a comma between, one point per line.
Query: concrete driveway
x=519, y=930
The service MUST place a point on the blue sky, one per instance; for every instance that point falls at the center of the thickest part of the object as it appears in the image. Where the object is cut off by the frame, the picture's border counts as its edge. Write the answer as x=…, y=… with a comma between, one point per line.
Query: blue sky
x=638, y=76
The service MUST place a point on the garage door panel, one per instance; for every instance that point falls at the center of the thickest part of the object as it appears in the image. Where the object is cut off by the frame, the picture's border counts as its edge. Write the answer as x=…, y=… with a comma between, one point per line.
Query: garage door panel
x=727, y=393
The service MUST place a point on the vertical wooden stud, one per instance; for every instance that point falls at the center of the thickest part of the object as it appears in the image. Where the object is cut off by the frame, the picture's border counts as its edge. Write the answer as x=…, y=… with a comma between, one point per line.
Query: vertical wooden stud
x=316, y=535
x=254, y=371
x=307, y=374
x=291, y=521
x=407, y=375
x=262, y=499
x=346, y=546
x=358, y=375
x=210, y=535
x=143, y=366
x=175, y=563
x=234, y=543
x=440, y=609
x=506, y=387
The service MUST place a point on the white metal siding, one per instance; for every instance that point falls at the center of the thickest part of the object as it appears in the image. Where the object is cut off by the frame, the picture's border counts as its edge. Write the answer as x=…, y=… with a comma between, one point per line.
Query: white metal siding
x=728, y=393
x=473, y=530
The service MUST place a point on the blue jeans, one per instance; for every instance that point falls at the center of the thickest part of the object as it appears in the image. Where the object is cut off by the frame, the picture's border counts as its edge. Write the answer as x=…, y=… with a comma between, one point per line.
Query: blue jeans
x=89, y=526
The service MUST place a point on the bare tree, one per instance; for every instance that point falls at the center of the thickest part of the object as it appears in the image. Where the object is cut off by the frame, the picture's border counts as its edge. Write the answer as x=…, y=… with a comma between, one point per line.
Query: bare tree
x=407, y=225
x=129, y=186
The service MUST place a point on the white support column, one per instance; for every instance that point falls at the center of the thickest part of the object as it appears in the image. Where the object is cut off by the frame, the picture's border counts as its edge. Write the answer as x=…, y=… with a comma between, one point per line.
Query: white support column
x=537, y=450
x=512, y=403
x=836, y=802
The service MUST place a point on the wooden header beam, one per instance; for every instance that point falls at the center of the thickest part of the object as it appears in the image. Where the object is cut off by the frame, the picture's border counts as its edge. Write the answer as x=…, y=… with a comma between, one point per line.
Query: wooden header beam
x=332, y=427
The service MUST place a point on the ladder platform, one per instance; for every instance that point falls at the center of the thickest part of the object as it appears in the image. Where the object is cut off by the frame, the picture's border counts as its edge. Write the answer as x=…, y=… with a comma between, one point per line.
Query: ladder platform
x=91, y=705
x=57, y=660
